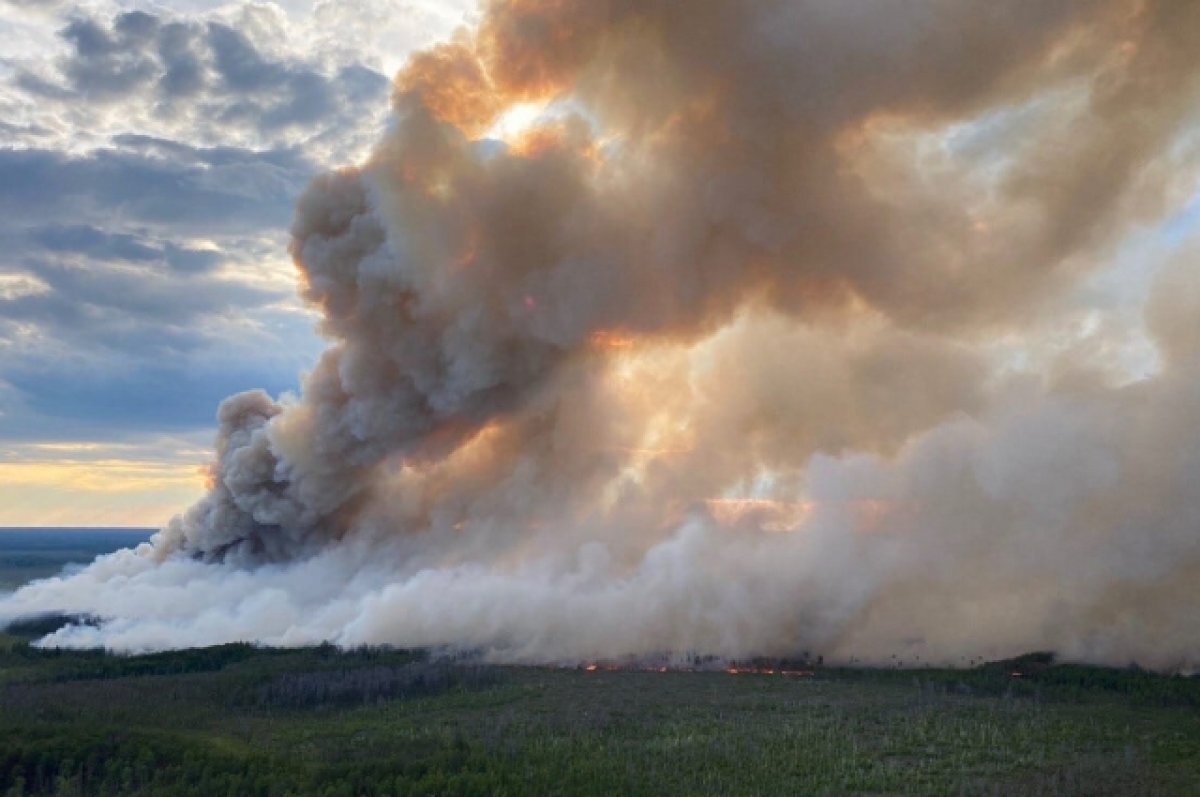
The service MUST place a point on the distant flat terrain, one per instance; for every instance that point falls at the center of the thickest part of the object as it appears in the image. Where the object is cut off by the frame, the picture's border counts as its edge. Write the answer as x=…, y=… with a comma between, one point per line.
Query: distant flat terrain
x=31, y=553
x=243, y=720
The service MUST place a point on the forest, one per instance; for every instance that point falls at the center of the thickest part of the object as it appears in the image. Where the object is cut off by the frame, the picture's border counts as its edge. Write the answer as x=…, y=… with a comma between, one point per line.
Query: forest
x=245, y=720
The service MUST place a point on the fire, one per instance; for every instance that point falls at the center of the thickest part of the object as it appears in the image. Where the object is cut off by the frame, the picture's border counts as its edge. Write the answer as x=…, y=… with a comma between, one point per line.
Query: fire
x=768, y=671
x=730, y=670
x=802, y=667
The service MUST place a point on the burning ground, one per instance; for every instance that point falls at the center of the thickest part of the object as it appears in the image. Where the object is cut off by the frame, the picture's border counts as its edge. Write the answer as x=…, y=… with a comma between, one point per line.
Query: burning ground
x=728, y=328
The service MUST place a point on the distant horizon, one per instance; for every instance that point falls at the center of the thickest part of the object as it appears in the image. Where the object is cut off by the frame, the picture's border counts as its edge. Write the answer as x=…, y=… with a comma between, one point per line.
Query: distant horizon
x=78, y=528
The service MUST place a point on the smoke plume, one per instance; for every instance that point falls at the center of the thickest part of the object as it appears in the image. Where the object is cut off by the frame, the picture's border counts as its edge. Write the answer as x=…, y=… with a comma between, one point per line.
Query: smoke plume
x=727, y=327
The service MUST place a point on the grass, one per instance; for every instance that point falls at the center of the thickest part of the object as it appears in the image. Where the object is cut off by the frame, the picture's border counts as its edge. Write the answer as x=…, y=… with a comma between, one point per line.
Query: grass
x=243, y=720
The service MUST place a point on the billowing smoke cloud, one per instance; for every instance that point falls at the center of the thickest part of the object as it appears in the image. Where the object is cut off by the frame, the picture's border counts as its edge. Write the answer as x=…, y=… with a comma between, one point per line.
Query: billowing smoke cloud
x=727, y=327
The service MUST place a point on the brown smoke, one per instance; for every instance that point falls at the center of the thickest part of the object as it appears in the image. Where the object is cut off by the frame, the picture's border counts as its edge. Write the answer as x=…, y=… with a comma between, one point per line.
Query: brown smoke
x=751, y=251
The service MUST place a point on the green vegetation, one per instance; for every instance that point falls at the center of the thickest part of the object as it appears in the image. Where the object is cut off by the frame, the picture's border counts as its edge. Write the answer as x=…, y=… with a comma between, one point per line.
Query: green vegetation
x=237, y=720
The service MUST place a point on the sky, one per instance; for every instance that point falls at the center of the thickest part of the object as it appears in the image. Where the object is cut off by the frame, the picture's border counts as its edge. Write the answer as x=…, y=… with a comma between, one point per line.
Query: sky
x=150, y=159
x=743, y=327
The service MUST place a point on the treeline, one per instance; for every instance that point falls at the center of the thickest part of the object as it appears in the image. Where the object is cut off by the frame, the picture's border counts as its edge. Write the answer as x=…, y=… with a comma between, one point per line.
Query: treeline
x=243, y=720
x=76, y=762
x=1039, y=676
x=49, y=746
x=366, y=685
x=40, y=625
x=61, y=664
x=67, y=665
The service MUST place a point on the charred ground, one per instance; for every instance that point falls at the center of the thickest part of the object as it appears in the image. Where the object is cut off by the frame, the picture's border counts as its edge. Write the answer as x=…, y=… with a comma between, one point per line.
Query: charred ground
x=239, y=719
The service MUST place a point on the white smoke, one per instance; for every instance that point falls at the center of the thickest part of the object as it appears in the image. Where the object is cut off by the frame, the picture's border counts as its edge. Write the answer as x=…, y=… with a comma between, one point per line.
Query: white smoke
x=750, y=345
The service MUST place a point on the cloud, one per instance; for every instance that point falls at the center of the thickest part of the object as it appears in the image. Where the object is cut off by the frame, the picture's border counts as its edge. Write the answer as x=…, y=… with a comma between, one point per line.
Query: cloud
x=129, y=482
x=38, y=5
x=143, y=255
x=99, y=245
x=128, y=332
x=151, y=162
x=137, y=264
x=170, y=73
x=109, y=62
x=154, y=182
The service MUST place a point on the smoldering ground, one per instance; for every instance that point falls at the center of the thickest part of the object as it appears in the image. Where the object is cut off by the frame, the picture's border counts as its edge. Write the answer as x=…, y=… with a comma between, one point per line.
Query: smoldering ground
x=773, y=327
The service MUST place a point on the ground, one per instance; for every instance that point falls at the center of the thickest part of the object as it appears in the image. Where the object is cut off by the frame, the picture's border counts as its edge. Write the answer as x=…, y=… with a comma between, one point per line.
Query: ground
x=243, y=720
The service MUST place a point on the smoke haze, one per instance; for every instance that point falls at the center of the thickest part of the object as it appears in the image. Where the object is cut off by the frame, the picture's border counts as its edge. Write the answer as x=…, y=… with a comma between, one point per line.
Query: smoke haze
x=740, y=328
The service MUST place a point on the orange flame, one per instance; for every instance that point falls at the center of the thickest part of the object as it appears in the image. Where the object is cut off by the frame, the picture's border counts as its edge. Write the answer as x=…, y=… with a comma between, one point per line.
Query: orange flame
x=730, y=670
x=767, y=671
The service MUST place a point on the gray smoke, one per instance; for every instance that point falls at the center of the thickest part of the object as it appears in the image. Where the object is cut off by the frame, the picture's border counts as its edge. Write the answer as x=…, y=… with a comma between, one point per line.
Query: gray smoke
x=763, y=337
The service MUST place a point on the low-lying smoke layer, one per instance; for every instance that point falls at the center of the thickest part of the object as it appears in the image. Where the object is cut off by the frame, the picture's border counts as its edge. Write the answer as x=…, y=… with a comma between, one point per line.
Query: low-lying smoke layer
x=727, y=327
